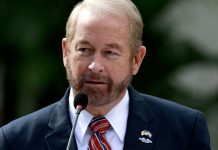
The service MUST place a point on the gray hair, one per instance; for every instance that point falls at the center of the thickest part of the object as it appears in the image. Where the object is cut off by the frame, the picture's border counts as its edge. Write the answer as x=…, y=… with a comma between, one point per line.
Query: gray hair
x=123, y=8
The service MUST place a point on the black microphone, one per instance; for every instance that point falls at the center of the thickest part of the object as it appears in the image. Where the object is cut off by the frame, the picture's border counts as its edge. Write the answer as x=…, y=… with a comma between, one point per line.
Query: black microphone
x=80, y=103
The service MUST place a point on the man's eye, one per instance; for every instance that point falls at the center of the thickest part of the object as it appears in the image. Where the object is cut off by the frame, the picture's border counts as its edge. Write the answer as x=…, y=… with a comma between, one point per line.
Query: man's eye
x=83, y=51
x=111, y=54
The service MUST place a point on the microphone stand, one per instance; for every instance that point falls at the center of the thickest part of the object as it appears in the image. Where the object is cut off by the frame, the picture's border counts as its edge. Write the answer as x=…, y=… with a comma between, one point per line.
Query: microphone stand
x=78, y=110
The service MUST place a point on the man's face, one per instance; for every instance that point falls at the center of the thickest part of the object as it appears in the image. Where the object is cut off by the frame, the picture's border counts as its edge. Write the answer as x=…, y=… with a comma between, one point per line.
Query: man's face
x=98, y=60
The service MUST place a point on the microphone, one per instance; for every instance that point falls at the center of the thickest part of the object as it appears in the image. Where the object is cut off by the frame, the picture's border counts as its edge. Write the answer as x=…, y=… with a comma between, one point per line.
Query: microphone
x=80, y=103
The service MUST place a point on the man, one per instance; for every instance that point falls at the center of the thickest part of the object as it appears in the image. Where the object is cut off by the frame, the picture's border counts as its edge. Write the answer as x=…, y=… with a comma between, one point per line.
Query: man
x=101, y=52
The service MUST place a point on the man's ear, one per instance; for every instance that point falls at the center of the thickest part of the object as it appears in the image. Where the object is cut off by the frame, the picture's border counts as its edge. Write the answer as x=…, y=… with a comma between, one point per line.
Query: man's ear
x=137, y=59
x=65, y=50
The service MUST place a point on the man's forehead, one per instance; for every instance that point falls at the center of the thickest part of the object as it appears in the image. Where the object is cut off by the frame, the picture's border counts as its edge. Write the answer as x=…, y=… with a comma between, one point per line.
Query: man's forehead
x=88, y=14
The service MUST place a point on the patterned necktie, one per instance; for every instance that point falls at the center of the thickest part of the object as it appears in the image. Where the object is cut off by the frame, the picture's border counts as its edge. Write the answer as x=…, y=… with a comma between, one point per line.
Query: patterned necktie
x=99, y=125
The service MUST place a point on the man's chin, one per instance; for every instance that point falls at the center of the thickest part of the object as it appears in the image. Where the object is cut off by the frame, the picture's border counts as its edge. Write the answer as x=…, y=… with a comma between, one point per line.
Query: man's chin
x=89, y=88
x=92, y=92
x=96, y=92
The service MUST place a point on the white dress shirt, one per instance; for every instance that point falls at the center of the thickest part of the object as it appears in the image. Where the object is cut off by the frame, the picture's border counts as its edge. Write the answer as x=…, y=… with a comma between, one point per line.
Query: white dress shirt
x=117, y=118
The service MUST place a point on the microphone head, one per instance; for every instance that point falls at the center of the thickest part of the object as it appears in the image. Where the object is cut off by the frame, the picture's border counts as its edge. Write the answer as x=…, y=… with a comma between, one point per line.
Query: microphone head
x=81, y=99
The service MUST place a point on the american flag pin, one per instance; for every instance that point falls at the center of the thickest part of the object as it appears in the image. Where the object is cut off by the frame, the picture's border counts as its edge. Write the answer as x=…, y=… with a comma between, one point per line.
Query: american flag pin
x=146, y=133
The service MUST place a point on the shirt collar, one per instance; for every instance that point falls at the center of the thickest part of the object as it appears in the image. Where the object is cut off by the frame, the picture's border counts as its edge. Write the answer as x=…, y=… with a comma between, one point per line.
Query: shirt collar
x=118, y=122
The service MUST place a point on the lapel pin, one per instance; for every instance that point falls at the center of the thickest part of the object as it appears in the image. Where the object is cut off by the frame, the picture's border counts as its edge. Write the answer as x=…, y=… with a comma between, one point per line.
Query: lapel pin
x=146, y=133
x=144, y=140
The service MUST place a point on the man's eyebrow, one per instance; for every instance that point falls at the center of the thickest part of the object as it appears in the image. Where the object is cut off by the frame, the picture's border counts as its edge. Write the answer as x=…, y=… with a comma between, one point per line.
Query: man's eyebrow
x=85, y=42
x=113, y=45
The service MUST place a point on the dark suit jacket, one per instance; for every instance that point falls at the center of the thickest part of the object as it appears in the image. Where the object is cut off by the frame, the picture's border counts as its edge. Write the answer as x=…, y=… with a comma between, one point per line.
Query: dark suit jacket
x=153, y=124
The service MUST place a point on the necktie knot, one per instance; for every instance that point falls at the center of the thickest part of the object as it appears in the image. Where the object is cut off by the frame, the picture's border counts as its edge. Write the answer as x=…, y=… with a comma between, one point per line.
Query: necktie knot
x=99, y=125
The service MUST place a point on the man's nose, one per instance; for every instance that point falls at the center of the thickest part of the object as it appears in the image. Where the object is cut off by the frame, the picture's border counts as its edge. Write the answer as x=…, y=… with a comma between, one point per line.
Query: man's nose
x=96, y=65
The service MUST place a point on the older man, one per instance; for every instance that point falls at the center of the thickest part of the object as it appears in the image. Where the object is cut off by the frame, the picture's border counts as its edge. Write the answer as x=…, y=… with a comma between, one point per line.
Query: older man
x=101, y=52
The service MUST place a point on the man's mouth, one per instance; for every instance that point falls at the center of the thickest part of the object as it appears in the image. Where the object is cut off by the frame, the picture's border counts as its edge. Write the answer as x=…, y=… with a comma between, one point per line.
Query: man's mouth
x=95, y=82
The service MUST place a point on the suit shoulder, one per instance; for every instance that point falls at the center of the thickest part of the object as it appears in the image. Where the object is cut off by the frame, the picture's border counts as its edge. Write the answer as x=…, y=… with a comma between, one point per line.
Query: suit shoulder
x=168, y=106
x=37, y=118
x=162, y=107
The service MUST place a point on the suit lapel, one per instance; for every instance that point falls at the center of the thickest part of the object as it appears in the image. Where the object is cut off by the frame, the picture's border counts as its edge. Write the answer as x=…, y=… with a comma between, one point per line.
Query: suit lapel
x=60, y=126
x=141, y=130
